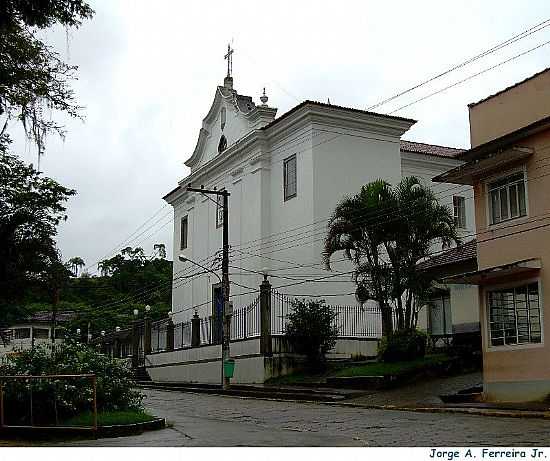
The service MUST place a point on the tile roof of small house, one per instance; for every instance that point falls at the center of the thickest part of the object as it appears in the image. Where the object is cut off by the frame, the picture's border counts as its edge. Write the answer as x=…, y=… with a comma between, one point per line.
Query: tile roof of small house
x=430, y=149
x=47, y=316
x=464, y=252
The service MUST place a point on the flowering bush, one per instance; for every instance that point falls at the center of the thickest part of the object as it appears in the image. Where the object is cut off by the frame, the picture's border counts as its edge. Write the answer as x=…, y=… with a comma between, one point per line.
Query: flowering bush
x=56, y=399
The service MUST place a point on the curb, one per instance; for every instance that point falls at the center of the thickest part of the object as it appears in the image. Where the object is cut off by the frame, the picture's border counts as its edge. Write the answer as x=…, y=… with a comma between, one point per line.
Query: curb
x=453, y=410
x=123, y=430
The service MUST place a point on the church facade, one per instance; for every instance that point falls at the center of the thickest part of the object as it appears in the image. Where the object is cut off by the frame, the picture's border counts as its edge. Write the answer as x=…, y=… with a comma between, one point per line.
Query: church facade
x=285, y=176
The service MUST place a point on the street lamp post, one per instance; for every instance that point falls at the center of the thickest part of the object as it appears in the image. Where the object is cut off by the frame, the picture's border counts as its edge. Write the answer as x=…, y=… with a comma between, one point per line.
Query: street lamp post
x=225, y=328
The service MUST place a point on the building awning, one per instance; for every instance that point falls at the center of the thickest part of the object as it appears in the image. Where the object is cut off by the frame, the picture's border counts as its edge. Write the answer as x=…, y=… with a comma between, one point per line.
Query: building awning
x=466, y=174
x=492, y=275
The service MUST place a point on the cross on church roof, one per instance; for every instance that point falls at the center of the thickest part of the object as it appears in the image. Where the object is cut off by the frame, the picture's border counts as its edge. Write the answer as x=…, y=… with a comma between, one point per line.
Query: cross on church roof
x=229, y=58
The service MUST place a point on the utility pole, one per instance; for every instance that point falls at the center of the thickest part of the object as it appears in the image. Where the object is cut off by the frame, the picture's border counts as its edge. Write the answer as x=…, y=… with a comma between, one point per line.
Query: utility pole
x=225, y=320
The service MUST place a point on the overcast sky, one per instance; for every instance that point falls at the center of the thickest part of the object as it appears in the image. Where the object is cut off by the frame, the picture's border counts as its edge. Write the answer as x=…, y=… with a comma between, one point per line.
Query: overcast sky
x=148, y=73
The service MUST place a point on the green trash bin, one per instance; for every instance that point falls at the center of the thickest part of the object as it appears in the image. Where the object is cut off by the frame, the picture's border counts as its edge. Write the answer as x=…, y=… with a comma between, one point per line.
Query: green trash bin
x=229, y=368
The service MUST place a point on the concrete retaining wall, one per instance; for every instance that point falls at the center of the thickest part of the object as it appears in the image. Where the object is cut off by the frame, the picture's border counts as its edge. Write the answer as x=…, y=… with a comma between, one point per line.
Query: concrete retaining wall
x=203, y=364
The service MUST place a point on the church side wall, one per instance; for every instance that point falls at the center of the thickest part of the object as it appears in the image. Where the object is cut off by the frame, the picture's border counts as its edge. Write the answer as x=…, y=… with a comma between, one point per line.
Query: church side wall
x=342, y=165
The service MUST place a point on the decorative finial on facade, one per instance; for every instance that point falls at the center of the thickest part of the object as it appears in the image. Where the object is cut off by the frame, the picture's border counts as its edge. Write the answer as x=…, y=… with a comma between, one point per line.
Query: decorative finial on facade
x=264, y=98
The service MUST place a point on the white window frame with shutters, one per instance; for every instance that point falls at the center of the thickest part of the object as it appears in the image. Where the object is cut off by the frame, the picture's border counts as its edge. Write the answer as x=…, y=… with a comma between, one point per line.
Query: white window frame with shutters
x=290, y=178
x=514, y=316
x=505, y=194
x=459, y=211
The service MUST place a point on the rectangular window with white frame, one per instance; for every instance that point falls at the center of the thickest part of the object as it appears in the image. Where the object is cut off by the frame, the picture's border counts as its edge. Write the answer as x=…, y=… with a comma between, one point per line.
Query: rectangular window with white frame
x=507, y=198
x=514, y=315
x=289, y=177
x=459, y=209
x=183, y=233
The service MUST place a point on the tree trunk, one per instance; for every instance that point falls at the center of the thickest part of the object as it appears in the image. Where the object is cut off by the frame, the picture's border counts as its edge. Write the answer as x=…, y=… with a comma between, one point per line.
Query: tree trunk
x=408, y=310
x=387, y=322
x=400, y=324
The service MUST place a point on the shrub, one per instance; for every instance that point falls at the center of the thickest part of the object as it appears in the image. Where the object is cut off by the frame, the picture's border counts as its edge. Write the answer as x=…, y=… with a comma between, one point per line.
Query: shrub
x=311, y=330
x=62, y=398
x=402, y=345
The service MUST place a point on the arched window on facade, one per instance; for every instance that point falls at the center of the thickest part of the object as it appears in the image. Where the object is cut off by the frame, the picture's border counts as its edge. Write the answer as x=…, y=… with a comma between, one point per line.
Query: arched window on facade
x=222, y=145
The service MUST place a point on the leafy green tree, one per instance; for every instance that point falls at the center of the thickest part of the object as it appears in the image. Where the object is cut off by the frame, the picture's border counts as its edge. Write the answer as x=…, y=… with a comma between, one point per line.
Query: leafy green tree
x=386, y=232
x=33, y=79
x=129, y=280
x=31, y=207
x=311, y=330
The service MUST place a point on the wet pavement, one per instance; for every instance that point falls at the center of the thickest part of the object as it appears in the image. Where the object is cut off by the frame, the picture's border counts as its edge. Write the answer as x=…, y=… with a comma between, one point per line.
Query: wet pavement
x=211, y=420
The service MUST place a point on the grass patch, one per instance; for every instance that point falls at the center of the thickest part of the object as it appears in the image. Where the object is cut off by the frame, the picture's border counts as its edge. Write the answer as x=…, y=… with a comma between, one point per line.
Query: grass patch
x=396, y=368
x=366, y=369
x=110, y=418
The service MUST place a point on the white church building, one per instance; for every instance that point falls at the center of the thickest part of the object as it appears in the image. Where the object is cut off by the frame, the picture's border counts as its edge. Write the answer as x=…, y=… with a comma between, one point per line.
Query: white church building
x=285, y=175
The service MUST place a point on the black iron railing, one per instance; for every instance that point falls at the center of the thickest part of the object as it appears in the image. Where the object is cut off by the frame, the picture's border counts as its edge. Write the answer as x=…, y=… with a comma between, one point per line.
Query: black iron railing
x=245, y=322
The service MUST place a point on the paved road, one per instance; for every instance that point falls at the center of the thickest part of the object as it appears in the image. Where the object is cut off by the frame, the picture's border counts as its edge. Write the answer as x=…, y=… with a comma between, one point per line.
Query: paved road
x=209, y=420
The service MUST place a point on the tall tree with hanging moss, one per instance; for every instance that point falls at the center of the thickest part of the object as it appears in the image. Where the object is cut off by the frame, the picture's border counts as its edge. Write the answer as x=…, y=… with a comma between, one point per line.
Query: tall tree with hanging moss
x=34, y=80
x=35, y=86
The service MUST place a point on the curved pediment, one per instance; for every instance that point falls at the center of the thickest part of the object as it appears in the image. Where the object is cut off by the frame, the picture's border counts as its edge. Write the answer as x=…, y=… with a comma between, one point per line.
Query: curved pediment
x=191, y=161
x=227, y=118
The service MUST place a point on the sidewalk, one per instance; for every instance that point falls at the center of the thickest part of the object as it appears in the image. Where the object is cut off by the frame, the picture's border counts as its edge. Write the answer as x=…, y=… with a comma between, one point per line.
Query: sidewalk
x=424, y=397
x=421, y=393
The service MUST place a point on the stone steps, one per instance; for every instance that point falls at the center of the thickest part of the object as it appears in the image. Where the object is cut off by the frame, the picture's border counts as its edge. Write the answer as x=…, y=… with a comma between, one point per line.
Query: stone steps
x=268, y=392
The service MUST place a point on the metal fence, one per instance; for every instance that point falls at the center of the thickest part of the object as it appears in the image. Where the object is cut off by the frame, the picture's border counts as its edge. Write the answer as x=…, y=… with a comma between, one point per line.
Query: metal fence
x=42, y=401
x=159, y=336
x=351, y=321
x=182, y=335
x=245, y=322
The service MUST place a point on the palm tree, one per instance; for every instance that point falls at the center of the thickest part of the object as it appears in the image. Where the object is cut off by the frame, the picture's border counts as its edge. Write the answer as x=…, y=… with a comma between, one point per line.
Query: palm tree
x=419, y=223
x=385, y=232
x=160, y=250
x=75, y=264
x=350, y=231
